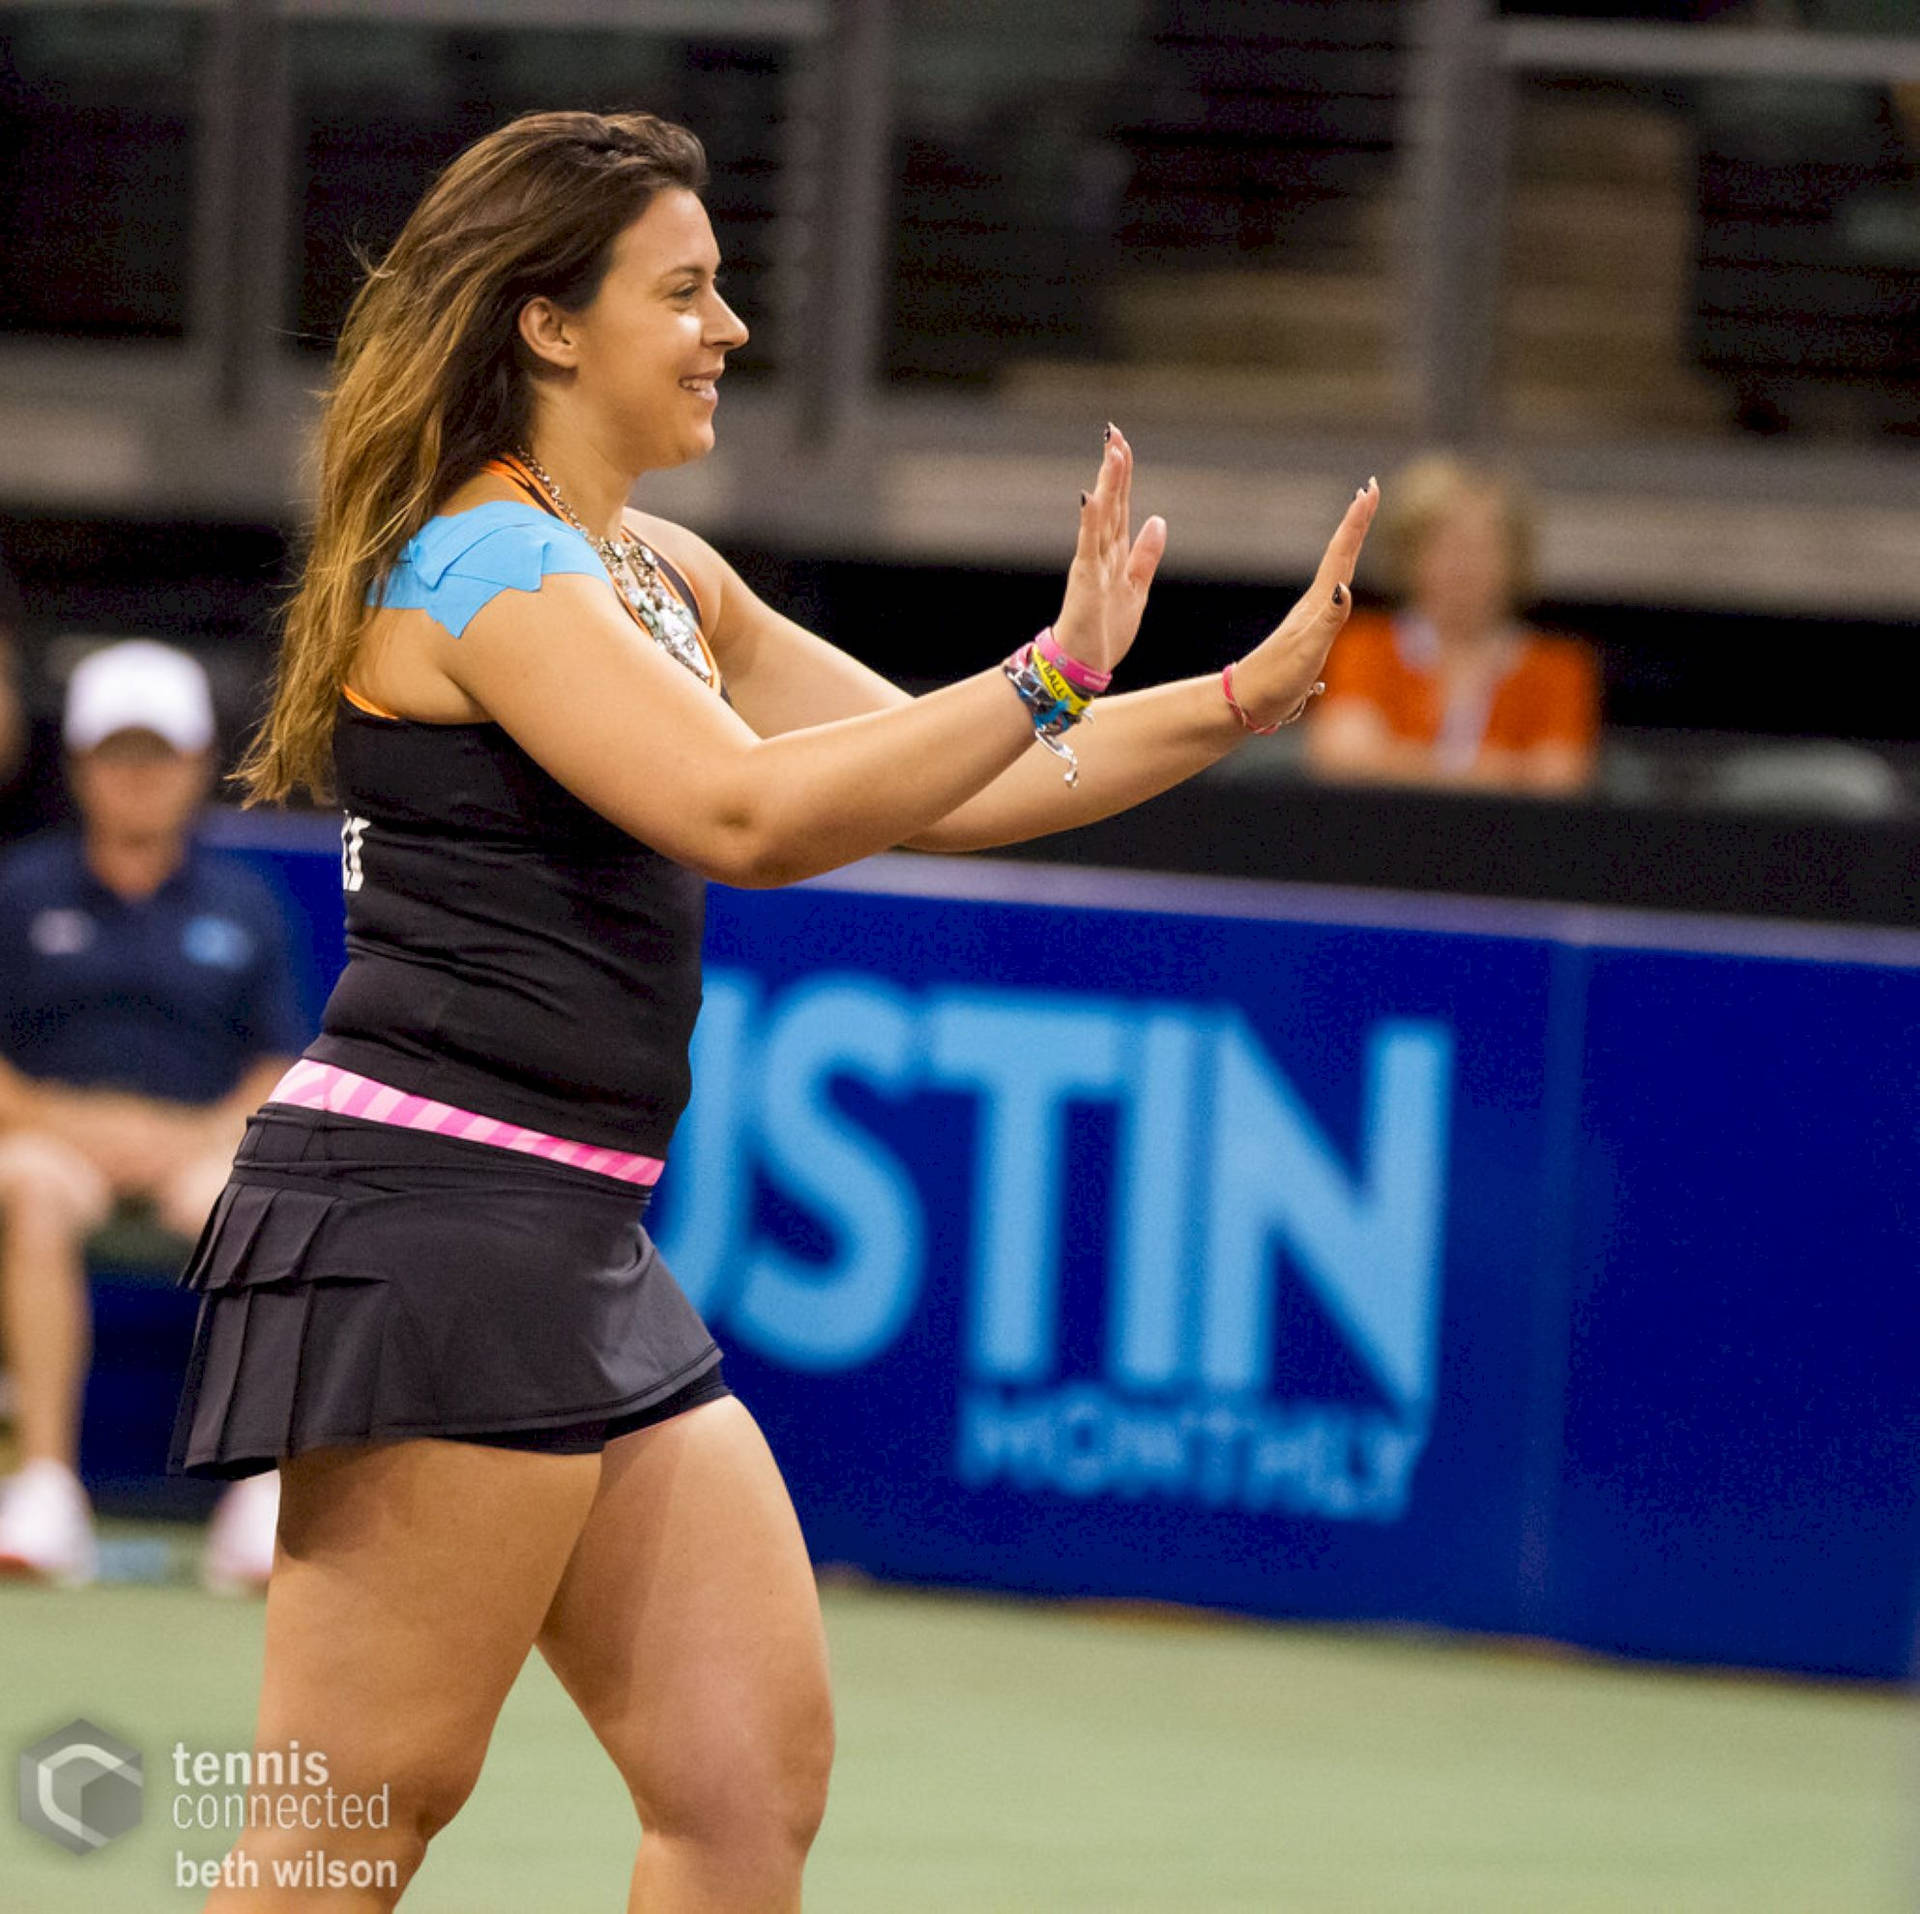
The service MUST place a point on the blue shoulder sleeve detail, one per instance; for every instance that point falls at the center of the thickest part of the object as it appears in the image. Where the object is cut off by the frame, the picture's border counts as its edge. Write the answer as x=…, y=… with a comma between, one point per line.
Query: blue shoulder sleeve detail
x=454, y=565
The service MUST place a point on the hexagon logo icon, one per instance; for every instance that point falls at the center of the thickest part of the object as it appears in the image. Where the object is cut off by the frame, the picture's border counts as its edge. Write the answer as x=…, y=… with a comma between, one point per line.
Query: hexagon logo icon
x=81, y=1786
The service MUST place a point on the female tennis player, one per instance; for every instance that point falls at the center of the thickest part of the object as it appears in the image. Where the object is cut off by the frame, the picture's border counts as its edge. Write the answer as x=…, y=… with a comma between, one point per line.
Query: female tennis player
x=427, y=1295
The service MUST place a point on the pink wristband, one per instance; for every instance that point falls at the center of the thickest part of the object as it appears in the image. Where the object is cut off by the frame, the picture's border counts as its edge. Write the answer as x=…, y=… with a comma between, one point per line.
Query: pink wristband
x=1258, y=730
x=1266, y=730
x=1083, y=678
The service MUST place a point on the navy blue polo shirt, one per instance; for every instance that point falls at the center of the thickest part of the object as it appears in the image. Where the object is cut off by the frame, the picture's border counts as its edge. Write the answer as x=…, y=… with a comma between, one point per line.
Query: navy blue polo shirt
x=172, y=995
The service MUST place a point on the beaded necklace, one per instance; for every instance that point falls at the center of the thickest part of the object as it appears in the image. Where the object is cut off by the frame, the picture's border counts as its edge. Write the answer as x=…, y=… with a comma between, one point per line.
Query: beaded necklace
x=636, y=573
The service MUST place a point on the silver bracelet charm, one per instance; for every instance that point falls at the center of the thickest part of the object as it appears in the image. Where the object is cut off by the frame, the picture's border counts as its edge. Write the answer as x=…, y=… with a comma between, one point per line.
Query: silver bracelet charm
x=1053, y=715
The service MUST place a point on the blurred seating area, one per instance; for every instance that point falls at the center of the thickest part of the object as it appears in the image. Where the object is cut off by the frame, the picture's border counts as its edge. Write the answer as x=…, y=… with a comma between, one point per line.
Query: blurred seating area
x=1182, y=204
x=1656, y=261
x=1203, y=207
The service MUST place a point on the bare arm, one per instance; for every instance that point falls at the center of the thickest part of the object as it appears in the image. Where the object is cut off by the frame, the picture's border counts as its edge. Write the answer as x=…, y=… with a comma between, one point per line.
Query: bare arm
x=1134, y=746
x=633, y=735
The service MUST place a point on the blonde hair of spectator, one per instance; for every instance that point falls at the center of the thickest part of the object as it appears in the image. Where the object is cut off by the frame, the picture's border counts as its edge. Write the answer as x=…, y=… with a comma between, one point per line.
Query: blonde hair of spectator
x=430, y=379
x=1419, y=498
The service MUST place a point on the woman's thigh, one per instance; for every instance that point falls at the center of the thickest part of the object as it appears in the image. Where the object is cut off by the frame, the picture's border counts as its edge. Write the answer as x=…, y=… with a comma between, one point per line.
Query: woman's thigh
x=409, y=1582
x=688, y=1630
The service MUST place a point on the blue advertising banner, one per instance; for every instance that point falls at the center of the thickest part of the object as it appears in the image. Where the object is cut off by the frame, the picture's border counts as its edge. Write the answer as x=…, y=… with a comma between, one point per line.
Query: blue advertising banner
x=1117, y=1251
x=1740, y=1476
x=1321, y=1254
x=1207, y=1252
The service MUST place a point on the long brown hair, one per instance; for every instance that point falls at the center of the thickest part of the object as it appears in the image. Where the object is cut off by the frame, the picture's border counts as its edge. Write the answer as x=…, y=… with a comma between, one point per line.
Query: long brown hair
x=430, y=378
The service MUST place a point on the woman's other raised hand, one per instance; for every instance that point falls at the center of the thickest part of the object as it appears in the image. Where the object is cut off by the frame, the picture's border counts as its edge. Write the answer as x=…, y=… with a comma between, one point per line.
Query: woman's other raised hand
x=1274, y=680
x=1112, y=570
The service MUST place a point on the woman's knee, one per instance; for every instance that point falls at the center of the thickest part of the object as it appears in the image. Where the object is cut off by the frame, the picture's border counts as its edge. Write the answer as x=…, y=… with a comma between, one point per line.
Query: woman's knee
x=804, y=1769
x=745, y=1789
x=424, y=1793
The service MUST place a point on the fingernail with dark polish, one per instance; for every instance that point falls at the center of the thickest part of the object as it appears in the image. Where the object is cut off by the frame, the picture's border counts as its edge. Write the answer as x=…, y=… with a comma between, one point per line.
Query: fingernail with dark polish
x=1083, y=498
x=1339, y=594
x=1107, y=436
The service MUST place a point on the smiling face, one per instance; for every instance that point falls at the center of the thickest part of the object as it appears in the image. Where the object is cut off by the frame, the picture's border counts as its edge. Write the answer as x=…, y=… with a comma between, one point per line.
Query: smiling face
x=635, y=368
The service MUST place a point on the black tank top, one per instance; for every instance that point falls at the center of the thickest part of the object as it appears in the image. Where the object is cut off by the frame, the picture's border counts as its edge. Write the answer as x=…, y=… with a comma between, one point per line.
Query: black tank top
x=509, y=950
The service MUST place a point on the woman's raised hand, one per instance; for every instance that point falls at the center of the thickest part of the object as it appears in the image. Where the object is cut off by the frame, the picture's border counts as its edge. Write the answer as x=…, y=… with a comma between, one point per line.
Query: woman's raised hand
x=1273, y=681
x=1112, y=570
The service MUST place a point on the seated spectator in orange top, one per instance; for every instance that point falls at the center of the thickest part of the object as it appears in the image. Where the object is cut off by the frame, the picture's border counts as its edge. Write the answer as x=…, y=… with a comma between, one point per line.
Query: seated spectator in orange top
x=1452, y=689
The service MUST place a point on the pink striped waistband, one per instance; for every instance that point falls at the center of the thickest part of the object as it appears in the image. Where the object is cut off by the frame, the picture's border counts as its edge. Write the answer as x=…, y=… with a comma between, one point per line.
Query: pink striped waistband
x=322, y=1086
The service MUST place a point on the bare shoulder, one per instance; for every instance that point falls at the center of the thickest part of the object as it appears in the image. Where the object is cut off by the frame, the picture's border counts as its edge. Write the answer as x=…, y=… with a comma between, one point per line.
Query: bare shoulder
x=690, y=554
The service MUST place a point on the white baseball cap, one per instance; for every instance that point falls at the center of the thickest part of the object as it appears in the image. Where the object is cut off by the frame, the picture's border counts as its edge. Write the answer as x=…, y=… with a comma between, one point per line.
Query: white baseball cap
x=139, y=686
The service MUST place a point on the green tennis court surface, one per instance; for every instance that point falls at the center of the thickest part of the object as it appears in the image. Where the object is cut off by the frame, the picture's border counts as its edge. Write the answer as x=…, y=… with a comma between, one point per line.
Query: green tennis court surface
x=998, y=1756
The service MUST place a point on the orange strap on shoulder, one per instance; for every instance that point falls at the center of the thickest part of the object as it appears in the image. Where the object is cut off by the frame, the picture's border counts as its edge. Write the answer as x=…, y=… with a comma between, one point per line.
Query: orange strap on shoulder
x=508, y=467
x=367, y=705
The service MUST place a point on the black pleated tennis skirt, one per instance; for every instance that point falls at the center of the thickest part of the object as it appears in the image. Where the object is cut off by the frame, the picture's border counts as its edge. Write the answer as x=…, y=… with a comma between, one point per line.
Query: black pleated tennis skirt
x=362, y=1282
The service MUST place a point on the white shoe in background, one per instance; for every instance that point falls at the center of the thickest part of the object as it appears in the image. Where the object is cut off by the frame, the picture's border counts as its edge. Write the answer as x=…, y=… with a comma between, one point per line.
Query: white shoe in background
x=46, y=1526
x=239, y=1554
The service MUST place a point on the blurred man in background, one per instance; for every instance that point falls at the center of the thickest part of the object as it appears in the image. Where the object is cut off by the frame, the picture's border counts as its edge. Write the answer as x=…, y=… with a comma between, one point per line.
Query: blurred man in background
x=146, y=1008
x=1451, y=688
